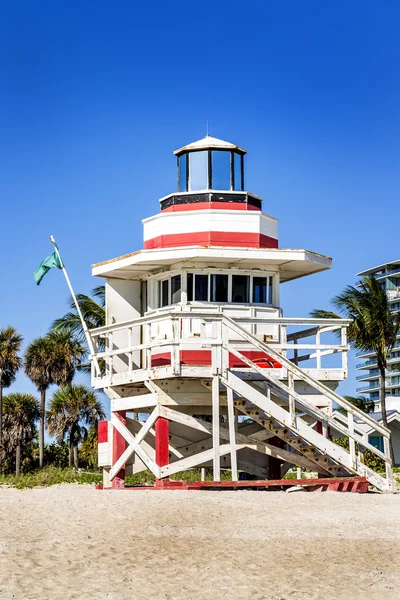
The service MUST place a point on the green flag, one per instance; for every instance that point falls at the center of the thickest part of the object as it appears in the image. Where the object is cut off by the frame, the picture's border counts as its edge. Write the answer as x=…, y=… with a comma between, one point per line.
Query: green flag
x=54, y=260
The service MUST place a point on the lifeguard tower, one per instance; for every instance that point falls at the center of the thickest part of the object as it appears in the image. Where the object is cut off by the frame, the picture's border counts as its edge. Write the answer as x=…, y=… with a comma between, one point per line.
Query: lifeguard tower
x=201, y=367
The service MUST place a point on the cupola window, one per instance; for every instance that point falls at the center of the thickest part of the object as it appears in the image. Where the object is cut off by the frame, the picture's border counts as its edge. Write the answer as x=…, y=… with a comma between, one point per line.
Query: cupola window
x=201, y=170
x=210, y=164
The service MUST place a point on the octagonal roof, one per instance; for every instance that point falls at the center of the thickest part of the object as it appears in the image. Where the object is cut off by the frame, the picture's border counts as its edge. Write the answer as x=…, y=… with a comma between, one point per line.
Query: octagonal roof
x=210, y=142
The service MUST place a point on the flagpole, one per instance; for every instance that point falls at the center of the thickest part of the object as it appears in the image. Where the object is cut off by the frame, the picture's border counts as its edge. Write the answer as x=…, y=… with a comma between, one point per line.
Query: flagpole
x=83, y=322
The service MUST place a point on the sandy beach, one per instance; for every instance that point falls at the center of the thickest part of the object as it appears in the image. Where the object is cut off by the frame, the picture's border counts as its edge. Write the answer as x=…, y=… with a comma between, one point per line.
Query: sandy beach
x=71, y=541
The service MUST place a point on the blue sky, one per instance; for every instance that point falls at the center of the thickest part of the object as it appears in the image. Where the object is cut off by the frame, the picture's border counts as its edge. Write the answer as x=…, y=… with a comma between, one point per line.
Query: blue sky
x=95, y=96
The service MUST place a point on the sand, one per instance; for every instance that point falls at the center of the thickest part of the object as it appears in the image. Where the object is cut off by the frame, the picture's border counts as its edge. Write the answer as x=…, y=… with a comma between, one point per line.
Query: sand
x=71, y=541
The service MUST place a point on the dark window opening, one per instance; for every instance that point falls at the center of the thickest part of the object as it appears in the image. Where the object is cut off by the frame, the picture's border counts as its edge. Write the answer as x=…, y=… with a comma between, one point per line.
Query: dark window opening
x=219, y=288
x=164, y=293
x=201, y=288
x=190, y=287
x=240, y=288
x=260, y=290
x=175, y=289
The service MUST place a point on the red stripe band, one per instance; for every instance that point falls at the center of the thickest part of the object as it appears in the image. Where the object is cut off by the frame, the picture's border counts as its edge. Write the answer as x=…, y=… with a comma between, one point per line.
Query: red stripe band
x=212, y=238
x=207, y=205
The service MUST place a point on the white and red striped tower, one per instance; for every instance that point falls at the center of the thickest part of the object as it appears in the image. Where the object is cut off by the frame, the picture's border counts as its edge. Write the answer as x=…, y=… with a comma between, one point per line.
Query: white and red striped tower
x=194, y=329
x=211, y=206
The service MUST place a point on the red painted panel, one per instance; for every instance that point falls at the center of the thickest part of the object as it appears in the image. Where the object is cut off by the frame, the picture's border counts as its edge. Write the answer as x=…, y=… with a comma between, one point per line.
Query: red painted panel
x=203, y=357
x=206, y=205
x=212, y=238
x=337, y=484
x=102, y=431
x=162, y=452
x=119, y=446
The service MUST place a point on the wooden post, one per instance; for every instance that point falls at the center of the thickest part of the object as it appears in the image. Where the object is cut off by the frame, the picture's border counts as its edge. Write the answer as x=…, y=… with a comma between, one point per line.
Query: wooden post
x=215, y=428
x=352, y=443
x=232, y=436
x=292, y=406
x=118, y=448
x=162, y=446
x=345, y=357
x=318, y=352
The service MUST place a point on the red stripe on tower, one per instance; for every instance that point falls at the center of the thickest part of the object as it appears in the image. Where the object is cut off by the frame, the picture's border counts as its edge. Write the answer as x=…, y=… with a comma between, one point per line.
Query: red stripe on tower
x=212, y=238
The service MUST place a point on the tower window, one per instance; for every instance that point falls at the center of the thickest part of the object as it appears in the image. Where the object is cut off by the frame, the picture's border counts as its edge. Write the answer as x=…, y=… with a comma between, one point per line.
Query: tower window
x=182, y=173
x=198, y=170
x=240, y=288
x=238, y=183
x=175, y=289
x=219, y=288
x=201, y=288
x=221, y=170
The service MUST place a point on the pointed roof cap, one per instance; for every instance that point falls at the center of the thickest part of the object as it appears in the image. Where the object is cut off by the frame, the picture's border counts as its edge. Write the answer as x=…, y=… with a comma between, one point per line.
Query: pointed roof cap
x=210, y=142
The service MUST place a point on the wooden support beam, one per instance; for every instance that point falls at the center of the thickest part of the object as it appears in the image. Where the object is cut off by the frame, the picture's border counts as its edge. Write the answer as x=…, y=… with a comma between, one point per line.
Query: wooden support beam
x=232, y=437
x=215, y=428
x=117, y=475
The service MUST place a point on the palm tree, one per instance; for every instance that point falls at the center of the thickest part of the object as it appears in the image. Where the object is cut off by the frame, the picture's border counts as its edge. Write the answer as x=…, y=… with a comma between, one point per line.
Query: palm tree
x=10, y=363
x=361, y=402
x=93, y=311
x=51, y=359
x=20, y=413
x=73, y=410
x=374, y=327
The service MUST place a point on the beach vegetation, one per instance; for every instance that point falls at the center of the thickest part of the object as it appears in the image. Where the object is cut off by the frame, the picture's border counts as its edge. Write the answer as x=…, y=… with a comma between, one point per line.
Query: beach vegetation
x=73, y=410
x=10, y=363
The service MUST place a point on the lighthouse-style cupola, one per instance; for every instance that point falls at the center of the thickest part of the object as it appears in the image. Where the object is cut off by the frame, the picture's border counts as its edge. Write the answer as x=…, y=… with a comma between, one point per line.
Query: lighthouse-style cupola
x=210, y=164
x=211, y=206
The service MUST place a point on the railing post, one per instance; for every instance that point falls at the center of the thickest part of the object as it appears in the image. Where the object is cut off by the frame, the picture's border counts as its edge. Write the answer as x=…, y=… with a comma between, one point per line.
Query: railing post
x=216, y=349
x=109, y=360
x=295, y=352
x=318, y=352
x=224, y=350
x=352, y=443
x=292, y=407
x=283, y=337
x=345, y=356
x=232, y=436
x=215, y=428
x=148, y=349
x=175, y=353
x=130, y=354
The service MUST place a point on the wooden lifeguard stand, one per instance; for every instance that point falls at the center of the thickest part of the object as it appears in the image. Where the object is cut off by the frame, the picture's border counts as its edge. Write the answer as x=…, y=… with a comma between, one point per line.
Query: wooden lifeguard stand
x=195, y=329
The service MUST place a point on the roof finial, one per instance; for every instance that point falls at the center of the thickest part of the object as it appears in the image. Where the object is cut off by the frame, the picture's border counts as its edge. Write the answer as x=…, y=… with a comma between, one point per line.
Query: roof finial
x=207, y=128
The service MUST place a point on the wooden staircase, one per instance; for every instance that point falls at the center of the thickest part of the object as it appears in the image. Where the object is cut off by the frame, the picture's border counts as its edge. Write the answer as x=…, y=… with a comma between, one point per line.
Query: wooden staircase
x=292, y=418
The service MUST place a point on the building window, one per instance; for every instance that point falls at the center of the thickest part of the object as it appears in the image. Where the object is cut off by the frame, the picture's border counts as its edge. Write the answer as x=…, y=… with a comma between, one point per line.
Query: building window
x=377, y=441
x=201, y=288
x=175, y=289
x=219, y=288
x=221, y=170
x=240, y=288
x=169, y=291
x=164, y=292
x=182, y=174
x=238, y=183
x=198, y=171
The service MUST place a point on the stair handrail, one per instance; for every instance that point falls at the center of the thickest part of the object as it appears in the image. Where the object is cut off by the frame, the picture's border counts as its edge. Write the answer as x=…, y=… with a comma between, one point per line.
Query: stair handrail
x=269, y=349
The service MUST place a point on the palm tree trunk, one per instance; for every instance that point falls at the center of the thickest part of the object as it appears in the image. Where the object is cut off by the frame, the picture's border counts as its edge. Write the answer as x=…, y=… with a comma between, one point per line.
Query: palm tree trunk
x=1, y=425
x=76, y=455
x=41, y=427
x=71, y=453
x=18, y=459
x=383, y=407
